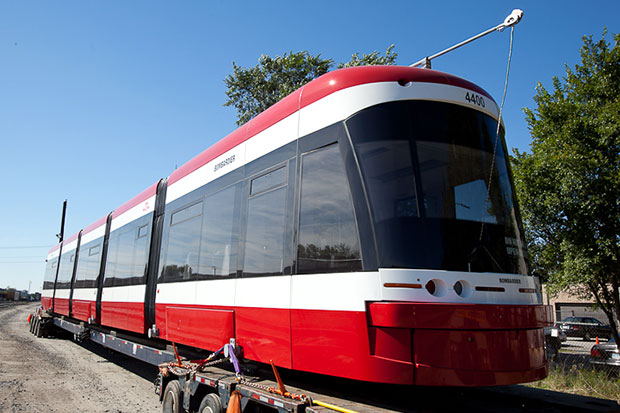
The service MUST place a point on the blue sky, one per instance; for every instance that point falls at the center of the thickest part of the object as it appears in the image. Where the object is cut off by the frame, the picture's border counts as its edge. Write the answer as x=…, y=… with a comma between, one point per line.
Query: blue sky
x=100, y=99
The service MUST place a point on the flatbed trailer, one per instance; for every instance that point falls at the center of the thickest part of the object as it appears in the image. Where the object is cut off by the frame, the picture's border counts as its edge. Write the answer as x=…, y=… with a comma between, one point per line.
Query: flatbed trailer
x=212, y=385
x=183, y=389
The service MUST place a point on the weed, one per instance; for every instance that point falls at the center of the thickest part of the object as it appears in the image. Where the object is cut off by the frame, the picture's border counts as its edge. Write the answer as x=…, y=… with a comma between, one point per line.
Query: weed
x=576, y=379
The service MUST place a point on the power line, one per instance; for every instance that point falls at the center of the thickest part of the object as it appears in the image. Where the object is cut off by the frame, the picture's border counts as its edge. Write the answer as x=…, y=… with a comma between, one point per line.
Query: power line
x=21, y=262
x=21, y=256
x=23, y=247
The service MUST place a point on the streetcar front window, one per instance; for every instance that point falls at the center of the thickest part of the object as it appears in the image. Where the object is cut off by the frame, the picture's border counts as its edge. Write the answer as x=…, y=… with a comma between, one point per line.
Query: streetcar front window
x=438, y=197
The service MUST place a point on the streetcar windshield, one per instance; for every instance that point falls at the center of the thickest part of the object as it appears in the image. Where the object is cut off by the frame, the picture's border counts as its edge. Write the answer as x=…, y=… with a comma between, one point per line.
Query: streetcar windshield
x=439, y=187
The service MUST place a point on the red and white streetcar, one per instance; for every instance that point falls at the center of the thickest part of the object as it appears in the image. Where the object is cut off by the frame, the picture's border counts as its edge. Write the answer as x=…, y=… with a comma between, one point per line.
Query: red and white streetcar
x=364, y=227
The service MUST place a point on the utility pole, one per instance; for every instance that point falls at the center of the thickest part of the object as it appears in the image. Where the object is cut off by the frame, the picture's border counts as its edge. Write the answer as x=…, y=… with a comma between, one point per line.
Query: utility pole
x=62, y=222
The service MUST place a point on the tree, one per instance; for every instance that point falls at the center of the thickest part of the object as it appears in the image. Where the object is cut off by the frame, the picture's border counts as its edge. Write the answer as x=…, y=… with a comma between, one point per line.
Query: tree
x=569, y=185
x=253, y=90
x=374, y=58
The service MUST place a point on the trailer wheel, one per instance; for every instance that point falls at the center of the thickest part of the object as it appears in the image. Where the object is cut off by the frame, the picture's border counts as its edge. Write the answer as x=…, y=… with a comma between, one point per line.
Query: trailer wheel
x=172, y=398
x=37, y=329
x=211, y=403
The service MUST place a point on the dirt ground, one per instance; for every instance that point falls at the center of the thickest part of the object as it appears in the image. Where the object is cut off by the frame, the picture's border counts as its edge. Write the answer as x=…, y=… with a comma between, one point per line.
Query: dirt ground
x=59, y=375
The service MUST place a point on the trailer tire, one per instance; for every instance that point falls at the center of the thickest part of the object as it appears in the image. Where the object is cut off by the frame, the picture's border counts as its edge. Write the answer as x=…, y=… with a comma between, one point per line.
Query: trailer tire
x=37, y=329
x=211, y=403
x=171, y=402
x=34, y=325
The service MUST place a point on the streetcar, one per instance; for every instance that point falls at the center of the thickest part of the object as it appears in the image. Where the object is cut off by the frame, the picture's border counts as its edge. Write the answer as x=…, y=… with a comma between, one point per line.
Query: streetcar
x=364, y=227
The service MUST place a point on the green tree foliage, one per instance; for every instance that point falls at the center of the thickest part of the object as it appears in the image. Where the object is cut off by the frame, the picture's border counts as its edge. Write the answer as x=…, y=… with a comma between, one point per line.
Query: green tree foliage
x=254, y=89
x=374, y=58
x=569, y=185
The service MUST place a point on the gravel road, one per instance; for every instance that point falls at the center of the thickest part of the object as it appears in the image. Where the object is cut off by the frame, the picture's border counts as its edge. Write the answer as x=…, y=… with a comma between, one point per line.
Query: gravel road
x=59, y=375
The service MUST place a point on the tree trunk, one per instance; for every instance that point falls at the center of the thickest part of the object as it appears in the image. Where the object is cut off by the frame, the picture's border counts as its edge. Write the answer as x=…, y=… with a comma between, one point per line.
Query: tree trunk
x=616, y=305
x=608, y=305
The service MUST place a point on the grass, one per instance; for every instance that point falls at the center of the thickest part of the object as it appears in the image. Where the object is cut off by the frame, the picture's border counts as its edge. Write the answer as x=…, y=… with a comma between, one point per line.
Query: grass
x=576, y=379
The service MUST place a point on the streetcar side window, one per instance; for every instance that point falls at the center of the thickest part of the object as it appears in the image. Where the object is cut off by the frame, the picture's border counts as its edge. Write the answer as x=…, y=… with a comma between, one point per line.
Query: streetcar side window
x=50, y=274
x=127, y=254
x=183, y=243
x=88, y=264
x=268, y=181
x=328, y=239
x=66, y=270
x=201, y=236
x=266, y=224
x=143, y=231
x=218, y=247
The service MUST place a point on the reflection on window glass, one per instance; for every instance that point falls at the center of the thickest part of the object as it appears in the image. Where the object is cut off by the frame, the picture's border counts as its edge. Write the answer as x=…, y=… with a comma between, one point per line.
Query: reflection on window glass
x=186, y=213
x=268, y=181
x=471, y=203
x=264, y=244
x=65, y=272
x=143, y=231
x=183, y=244
x=328, y=240
x=127, y=254
x=432, y=182
x=447, y=173
x=218, y=256
x=391, y=183
x=50, y=274
x=88, y=264
x=201, y=240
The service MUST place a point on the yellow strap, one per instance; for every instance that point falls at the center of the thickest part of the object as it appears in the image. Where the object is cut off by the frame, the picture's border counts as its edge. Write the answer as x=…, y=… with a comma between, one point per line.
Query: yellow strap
x=331, y=406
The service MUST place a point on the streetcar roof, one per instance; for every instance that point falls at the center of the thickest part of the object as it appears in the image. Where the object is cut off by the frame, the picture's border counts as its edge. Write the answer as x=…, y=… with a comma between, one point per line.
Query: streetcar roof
x=313, y=91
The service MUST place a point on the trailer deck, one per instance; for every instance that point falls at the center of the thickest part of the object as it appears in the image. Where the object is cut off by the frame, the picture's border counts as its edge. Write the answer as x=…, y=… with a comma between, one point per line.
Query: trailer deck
x=256, y=387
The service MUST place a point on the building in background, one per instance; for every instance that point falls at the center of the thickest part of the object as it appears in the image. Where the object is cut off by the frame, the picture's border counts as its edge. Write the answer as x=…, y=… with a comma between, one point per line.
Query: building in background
x=568, y=305
x=11, y=294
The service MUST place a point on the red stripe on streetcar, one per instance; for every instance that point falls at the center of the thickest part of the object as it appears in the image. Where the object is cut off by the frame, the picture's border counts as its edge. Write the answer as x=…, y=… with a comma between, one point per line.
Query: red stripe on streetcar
x=71, y=238
x=136, y=200
x=99, y=223
x=54, y=248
